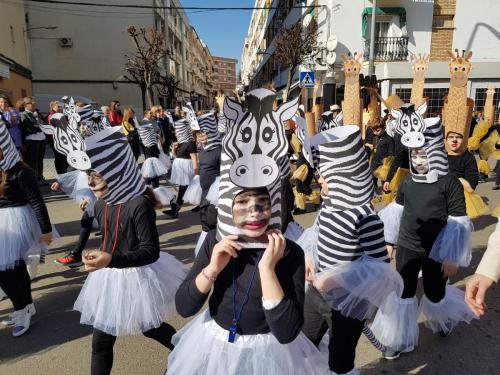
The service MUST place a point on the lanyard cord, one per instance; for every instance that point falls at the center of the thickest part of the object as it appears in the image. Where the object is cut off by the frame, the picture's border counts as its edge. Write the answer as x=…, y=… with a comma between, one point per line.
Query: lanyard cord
x=237, y=316
x=115, y=243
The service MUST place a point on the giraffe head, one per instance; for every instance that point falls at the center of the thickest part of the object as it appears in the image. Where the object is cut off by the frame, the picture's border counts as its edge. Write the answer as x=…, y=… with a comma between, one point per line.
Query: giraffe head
x=460, y=67
x=420, y=65
x=352, y=67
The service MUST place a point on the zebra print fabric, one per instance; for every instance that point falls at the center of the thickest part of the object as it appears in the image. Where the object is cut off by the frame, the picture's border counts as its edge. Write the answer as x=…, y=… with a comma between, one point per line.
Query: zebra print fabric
x=343, y=164
x=328, y=121
x=148, y=135
x=208, y=125
x=183, y=131
x=221, y=122
x=436, y=153
x=112, y=157
x=10, y=155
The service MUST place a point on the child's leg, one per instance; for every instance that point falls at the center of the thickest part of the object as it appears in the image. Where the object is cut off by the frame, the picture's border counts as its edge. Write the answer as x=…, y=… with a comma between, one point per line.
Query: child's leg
x=16, y=284
x=315, y=316
x=408, y=264
x=344, y=338
x=434, y=282
x=102, y=353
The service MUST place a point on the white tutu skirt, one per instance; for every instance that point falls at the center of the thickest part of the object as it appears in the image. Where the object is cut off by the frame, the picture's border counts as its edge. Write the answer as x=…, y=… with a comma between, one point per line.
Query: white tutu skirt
x=308, y=241
x=19, y=236
x=391, y=217
x=447, y=313
x=293, y=231
x=201, y=348
x=201, y=239
x=128, y=301
x=213, y=192
x=395, y=324
x=164, y=195
x=193, y=192
x=75, y=185
x=182, y=172
x=152, y=167
x=453, y=244
x=360, y=287
x=164, y=159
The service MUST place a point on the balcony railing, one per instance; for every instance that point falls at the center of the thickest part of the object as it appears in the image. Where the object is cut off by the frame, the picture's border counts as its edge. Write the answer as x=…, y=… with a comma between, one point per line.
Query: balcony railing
x=388, y=49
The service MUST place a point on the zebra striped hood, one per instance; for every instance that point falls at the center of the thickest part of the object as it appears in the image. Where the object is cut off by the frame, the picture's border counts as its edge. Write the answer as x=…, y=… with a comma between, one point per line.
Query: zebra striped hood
x=208, y=125
x=342, y=162
x=111, y=156
x=328, y=121
x=10, y=155
x=183, y=131
x=148, y=134
x=436, y=153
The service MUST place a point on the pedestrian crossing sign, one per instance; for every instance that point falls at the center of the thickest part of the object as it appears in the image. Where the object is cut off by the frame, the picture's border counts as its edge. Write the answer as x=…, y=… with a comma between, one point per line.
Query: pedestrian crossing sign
x=307, y=79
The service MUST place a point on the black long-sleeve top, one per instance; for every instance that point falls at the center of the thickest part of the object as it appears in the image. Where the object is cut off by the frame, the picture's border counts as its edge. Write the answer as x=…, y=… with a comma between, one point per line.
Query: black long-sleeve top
x=138, y=243
x=464, y=166
x=209, y=168
x=385, y=148
x=20, y=189
x=29, y=124
x=284, y=321
x=401, y=158
x=426, y=210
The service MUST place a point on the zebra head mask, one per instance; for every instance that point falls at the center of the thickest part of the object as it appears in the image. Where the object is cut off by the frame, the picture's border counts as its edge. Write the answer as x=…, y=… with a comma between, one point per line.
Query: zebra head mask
x=92, y=121
x=256, y=139
x=208, y=125
x=68, y=141
x=183, y=131
x=410, y=125
x=8, y=148
x=329, y=121
x=254, y=142
x=437, y=158
x=343, y=164
x=191, y=117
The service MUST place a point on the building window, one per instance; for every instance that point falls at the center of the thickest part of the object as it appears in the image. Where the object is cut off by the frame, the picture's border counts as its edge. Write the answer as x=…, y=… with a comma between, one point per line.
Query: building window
x=435, y=100
x=443, y=22
x=404, y=94
x=480, y=99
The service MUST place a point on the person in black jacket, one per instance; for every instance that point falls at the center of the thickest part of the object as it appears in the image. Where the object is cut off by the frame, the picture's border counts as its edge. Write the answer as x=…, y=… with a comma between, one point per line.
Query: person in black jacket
x=383, y=153
x=131, y=285
x=25, y=230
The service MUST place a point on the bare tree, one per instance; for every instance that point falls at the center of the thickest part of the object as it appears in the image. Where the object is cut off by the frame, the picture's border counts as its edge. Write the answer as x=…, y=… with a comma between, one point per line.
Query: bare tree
x=166, y=86
x=142, y=65
x=295, y=45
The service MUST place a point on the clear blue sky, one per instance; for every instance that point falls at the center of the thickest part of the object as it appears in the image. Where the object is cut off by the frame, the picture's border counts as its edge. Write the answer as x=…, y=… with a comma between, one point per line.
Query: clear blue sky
x=222, y=31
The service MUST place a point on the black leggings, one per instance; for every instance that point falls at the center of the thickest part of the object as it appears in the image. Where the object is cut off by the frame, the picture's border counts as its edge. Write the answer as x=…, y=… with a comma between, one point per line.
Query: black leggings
x=16, y=284
x=180, y=195
x=409, y=263
x=102, y=346
x=344, y=331
x=85, y=230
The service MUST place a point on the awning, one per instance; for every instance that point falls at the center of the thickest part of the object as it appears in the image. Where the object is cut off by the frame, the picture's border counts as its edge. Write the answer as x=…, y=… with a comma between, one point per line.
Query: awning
x=383, y=11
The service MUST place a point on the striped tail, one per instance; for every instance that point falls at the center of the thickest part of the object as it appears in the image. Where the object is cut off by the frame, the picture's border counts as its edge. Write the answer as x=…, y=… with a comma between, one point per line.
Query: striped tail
x=373, y=340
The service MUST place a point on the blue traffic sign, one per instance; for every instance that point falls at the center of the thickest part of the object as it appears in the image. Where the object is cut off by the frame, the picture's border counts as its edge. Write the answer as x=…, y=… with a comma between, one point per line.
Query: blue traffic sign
x=307, y=79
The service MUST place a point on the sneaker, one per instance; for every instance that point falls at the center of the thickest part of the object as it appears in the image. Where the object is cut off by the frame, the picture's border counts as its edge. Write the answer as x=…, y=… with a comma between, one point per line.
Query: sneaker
x=69, y=260
x=390, y=354
x=174, y=211
x=22, y=320
x=9, y=321
x=496, y=187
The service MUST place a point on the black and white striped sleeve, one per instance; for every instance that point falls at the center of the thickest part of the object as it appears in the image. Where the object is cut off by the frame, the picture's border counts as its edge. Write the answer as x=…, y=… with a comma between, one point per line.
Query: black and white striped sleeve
x=370, y=231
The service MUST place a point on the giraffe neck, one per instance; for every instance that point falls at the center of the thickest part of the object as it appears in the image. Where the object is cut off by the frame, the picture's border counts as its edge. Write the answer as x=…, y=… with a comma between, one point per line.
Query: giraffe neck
x=417, y=91
x=457, y=96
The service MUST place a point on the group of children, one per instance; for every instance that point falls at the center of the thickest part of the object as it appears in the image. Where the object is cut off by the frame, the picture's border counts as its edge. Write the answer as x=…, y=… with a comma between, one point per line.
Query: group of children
x=260, y=317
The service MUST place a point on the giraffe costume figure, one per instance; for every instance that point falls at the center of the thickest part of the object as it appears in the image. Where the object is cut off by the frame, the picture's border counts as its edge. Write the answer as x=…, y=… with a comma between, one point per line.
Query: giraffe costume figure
x=420, y=66
x=489, y=106
x=352, y=104
x=457, y=109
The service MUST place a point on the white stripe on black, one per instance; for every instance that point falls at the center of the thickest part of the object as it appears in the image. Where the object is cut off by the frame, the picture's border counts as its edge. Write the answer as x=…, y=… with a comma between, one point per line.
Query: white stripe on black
x=10, y=155
x=208, y=125
x=148, y=135
x=183, y=131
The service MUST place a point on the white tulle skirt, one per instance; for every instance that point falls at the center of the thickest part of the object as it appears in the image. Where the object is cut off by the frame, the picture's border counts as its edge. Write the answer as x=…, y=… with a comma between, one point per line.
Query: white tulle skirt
x=201, y=348
x=357, y=289
x=19, y=236
x=453, y=244
x=447, y=313
x=391, y=217
x=201, y=239
x=128, y=301
x=164, y=159
x=395, y=324
x=182, y=172
x=193, y=192
x=293, y=231
x=76, y=186
x=213, y=192
x=152, y=167
x=164, y=195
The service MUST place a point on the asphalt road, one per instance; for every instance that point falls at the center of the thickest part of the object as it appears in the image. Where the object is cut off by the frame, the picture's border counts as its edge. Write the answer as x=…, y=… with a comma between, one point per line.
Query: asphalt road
x=58, y=344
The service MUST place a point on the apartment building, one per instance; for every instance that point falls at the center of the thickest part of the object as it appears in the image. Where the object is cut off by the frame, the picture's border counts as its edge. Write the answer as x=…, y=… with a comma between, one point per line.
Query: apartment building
x=402, y=27
x=224, y=75
x=15, y=73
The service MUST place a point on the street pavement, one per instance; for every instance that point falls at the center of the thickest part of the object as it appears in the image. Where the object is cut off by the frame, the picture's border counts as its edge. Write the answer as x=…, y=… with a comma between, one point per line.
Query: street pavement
x=58, y=345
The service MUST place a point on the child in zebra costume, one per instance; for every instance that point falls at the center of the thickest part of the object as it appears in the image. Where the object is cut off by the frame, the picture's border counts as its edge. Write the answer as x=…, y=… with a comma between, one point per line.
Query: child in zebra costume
x=131, y=285
x=152, y=168
x=210, y=156
x=185, y=165
x=251, y=327
x=429, y=225
x=25, y=230
x=347, y=261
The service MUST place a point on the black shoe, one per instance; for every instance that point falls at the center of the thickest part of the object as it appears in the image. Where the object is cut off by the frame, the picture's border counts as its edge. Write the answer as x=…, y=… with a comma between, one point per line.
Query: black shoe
x=299, y=211
x=196, y=209
x=98, y=234
x=174, y=211
x=496, y=187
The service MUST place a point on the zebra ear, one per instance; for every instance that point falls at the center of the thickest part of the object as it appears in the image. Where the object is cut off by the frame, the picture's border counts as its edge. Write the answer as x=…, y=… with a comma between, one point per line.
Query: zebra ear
x=339, y=119
x=232, y=109
x=47, y=129
x=396, y=113
x=422, y=109
x=287, y=110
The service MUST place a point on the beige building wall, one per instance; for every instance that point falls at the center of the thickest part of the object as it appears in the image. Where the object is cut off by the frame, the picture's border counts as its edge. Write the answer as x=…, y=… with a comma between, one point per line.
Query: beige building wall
x=224, y=75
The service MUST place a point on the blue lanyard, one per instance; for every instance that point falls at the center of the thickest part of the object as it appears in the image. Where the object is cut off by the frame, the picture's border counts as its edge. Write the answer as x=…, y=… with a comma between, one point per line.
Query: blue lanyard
x=237, y=315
